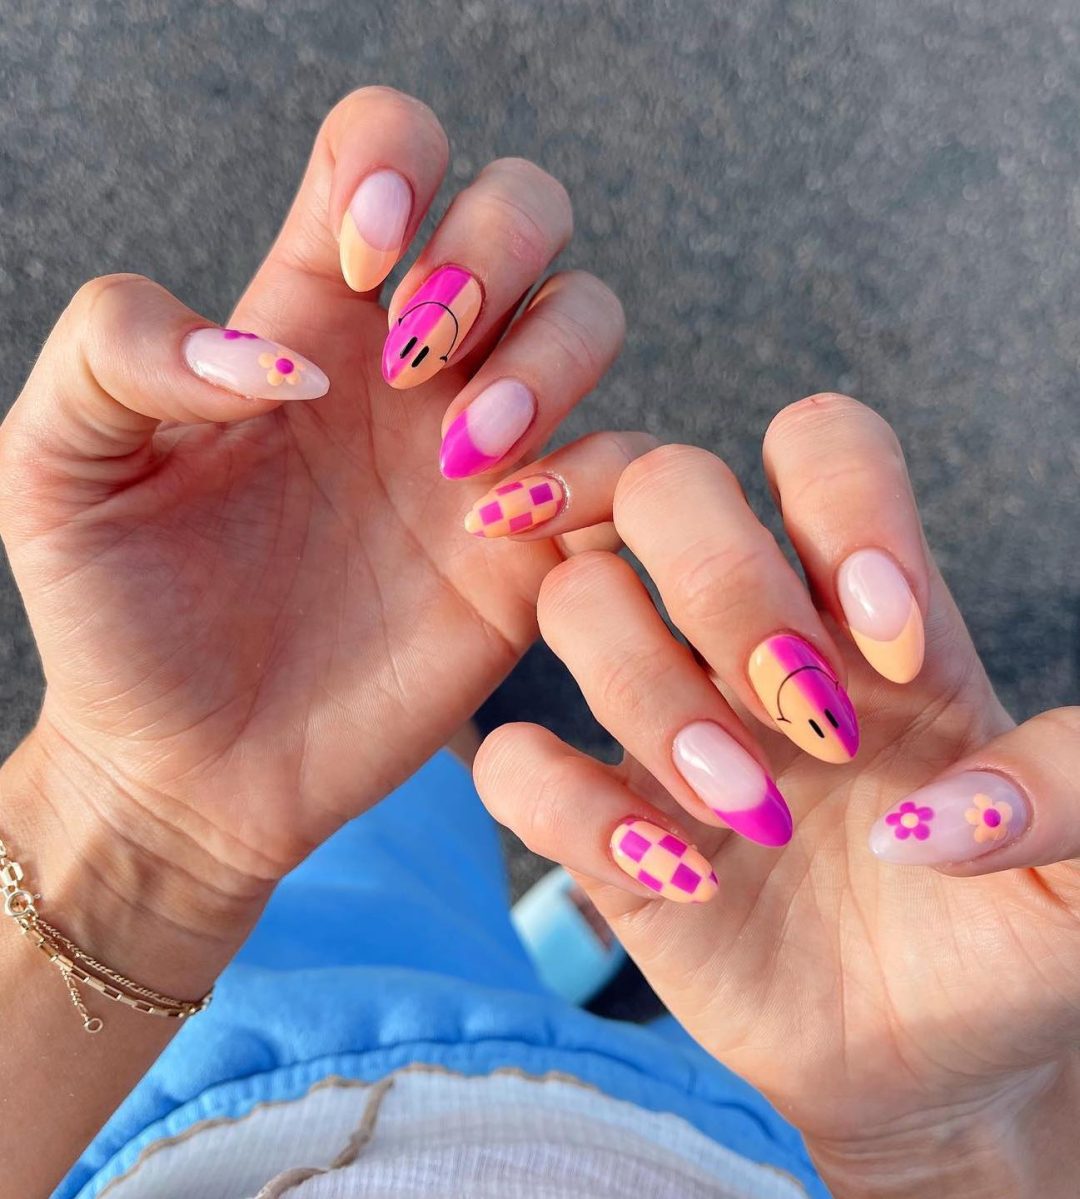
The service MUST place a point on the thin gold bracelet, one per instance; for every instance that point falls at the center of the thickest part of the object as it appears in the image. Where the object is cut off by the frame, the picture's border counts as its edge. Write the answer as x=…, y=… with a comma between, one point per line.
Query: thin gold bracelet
x=78, y=967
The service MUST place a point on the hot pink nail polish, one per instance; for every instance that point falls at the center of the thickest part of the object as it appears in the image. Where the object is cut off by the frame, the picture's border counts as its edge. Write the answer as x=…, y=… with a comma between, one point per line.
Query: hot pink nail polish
x=431, y=327
x=953, y=820
x=664, y=863
x=250, y=366
x=882, y=614
x=487, y=429
x=730, y=783
x=373, y=229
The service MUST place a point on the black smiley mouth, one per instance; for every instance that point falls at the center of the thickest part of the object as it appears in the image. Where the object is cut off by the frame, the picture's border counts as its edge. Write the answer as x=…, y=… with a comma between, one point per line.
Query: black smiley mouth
x=818, y=730
x=426, y=349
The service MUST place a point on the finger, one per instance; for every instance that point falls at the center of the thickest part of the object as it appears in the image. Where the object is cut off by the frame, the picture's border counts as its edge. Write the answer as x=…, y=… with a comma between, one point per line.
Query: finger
x=1013, y=803
x=842, y=485
x=553, y=356
x=495, y=241
x=645, y=688
x=567, y=807
x=728, y=587
x=125, y=355
x=569, y=490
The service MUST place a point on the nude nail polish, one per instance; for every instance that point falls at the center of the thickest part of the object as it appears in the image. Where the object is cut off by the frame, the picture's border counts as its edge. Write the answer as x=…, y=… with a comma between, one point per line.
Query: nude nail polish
x=373, y=229
x=431, y=327
x=662, y=862
x=729, y=781
x=882, y=614
x=953, y=820
x=251, y=366
x=516, y=507
x=487, y=429
x=802, y=694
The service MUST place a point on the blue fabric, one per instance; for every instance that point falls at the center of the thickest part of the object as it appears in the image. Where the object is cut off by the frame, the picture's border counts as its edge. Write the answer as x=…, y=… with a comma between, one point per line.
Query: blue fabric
x=392, y=945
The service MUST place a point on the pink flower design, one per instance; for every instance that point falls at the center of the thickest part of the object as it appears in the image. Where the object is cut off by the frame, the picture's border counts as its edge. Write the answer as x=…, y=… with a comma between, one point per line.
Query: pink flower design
x=910, y=820
x=233, y=334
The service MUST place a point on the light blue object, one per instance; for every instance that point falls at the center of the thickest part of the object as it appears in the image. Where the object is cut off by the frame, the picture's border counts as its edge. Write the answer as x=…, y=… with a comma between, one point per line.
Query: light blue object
x=392, y=944
x=568, y=954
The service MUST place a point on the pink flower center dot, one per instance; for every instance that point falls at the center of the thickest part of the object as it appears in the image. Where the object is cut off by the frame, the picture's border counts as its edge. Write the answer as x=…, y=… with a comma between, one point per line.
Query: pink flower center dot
x=991, y=818
x=284, y=366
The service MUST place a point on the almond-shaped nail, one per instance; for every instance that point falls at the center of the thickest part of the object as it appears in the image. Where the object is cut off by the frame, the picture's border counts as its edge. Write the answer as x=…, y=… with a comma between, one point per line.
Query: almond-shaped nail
x=251, y=366
x=662, y=862
x=515, y=507
x=729, y=781
x=882, y=613
x=487, y=429
x=952, y=820
x=431, y=327
x=373, y=229
x=802, y=694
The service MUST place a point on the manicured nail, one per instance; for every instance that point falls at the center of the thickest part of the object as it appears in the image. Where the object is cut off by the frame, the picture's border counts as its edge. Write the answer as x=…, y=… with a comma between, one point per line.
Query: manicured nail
x=487, y=429
x=662, y=862
x=730, y=782
x=250, y=366
x=515, y=507
x=802, y=694
x=953, y=820
x=430, y=327
x=373, y=229
x=882, y=613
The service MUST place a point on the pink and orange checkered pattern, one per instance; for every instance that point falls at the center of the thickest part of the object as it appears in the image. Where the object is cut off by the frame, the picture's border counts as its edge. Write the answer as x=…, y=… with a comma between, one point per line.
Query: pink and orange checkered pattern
x=515, y=507
x=663, y=862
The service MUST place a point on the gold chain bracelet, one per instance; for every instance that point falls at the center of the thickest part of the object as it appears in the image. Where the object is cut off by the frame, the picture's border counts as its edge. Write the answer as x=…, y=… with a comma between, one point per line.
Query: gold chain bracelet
x=77, y=967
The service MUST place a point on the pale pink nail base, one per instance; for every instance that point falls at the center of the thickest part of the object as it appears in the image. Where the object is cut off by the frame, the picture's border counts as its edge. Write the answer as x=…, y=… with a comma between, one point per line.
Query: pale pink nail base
x=251, y=366
x=731, y=783
x=953, y=820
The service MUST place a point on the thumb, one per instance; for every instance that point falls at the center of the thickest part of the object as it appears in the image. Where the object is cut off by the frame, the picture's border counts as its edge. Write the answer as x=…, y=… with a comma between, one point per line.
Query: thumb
x=1014, y=803
x=125, y=355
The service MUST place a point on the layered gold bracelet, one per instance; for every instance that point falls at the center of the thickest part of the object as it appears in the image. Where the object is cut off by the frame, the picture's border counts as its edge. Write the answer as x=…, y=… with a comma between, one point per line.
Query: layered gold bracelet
x=77, y=967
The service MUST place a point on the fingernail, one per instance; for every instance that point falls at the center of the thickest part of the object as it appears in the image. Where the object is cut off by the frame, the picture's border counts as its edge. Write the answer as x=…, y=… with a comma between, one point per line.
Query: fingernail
x=487, y=429
x=730, y=783
x=801, y=693
x=252, y=367
x=515, y=507
x=953, y=820
x=431, y=327
x=373, y=229
x=662, y=862
x=882, y=613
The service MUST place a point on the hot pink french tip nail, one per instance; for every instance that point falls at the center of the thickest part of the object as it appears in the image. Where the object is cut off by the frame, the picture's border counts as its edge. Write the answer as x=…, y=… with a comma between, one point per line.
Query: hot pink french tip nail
x=485, y=431
x=731, y=783
x=430, y=327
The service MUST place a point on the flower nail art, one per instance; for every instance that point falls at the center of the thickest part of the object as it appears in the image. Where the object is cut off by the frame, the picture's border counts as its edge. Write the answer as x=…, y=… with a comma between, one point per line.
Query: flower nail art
x=802, y=694
x=516, y=507
x=251, y=366
x=662, y=862
x=431, y=327
x=953, y=820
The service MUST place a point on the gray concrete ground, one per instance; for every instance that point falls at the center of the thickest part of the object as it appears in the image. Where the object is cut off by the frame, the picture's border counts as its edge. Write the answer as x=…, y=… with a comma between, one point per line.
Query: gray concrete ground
x=879, y=196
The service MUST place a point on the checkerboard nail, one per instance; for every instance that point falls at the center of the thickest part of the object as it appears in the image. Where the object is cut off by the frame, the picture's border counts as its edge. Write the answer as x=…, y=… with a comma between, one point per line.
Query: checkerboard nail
x=662, y=862
x=515, y=507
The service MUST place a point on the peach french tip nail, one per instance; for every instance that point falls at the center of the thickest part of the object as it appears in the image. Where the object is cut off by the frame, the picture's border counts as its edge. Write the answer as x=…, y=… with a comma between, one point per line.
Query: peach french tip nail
x=802, y=694
x=373, y=229
x=952, y=820
x=430, y=327
x=731, y=783
x=516, y=507
x=662, y=862
x=487, y=429
x=251, y=366
x=882, y=614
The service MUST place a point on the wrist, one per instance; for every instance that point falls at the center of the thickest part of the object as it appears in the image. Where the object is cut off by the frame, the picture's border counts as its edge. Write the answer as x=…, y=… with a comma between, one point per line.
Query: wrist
x=1020, y=1145
x=124, y=880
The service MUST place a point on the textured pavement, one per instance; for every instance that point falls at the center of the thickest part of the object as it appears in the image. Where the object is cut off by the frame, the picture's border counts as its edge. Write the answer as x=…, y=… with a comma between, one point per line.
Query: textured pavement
x=877, y=197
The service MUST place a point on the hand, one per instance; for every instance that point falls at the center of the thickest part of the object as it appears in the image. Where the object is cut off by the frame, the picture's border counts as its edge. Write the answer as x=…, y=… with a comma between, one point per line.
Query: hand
x=912, y=1009
x=256, y=605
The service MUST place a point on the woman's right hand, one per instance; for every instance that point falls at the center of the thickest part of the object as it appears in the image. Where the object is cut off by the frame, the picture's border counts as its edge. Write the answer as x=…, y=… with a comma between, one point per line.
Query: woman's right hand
x=256, y=606
x=902, y=976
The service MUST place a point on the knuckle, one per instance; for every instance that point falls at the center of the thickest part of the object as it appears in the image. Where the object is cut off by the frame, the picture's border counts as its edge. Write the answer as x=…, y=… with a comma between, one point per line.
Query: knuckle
x=661, y=470
x=572, y=339
x=626, y=689
x=509, y=222
x=99, y=298
x=707, y=583
x=564, y=586
x=541, y=824
x=529, y=179
x=827, y=415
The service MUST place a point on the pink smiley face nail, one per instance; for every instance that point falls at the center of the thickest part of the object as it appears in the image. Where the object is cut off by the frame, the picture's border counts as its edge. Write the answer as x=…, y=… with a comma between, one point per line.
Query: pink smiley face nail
x=431, y=327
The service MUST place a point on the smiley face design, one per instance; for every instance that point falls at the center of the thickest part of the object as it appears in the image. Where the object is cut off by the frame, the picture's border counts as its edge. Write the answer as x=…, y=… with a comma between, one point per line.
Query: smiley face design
x=431, y=327
x=804, y=698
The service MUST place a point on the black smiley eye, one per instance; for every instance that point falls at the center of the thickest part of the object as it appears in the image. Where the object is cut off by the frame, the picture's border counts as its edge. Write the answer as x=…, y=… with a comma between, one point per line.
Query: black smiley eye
x=831, y=719
x=420, y=357
x=817, y=728
x=408, y=348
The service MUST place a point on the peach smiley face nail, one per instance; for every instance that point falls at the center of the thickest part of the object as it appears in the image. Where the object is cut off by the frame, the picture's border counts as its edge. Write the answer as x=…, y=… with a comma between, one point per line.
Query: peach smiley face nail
x=251, y=366
x=431, y=326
